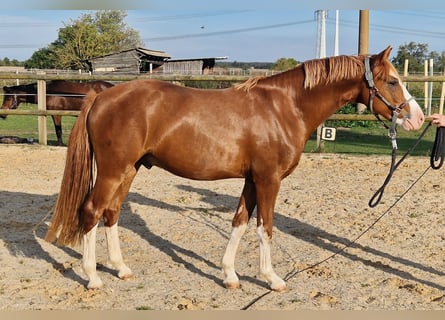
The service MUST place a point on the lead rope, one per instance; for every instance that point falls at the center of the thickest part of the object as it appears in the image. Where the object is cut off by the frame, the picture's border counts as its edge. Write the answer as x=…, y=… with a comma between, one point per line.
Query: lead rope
x=375, y=199
x=437, y=154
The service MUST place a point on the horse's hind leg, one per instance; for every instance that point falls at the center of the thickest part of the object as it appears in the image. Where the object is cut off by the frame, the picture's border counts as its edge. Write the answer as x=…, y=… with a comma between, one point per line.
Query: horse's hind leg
x=111, y=229
x=105, y=200
x=266, y=196
x=89, y=259
x=239, y=225
x=114, y=253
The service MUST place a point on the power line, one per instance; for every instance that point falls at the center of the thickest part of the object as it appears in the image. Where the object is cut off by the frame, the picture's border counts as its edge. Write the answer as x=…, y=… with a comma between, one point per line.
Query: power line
x=224, y=32
x=392, y=29
x=188, y=16
x=423, y=14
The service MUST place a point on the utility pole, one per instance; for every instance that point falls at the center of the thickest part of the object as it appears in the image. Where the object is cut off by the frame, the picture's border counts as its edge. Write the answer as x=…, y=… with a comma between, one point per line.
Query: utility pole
x=321, y=33
x=321, y=53
x=363, y=37
x=336, y=35
x=363, y=44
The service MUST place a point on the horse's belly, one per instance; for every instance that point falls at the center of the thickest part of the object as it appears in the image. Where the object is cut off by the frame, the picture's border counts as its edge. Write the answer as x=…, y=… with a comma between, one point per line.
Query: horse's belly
x=199, y=166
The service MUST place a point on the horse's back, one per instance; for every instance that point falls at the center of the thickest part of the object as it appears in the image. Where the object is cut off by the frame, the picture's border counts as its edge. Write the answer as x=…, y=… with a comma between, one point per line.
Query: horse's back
x=77, y=87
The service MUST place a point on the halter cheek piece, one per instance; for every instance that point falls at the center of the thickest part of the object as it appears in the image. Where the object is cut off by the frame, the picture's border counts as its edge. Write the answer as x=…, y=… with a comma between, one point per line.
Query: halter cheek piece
x=395, y=110
x=14, y=104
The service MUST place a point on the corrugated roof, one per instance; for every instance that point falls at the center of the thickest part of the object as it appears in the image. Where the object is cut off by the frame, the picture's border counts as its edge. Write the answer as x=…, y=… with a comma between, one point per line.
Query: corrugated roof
x=155, y=53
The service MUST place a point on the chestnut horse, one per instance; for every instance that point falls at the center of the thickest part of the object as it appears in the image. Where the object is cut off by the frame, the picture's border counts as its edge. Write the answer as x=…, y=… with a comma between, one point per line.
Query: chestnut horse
x=256, y=131
x=60, y=95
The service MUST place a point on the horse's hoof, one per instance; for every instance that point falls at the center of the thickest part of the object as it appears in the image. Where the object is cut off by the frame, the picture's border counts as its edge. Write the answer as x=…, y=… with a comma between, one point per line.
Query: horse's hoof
x=125, y=274
x=280, y=289
x=95, y=284
x=232, y=285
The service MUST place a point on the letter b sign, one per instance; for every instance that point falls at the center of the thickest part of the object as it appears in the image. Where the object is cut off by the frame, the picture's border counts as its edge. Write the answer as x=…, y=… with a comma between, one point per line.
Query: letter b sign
x=328, y=133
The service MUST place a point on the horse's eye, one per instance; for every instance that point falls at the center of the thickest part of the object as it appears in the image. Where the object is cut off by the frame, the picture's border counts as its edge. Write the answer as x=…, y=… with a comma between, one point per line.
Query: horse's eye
x=393, y=82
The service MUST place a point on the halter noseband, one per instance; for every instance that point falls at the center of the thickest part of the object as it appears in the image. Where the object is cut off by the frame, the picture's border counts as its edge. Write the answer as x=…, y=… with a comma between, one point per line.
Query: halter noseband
x=374, y=92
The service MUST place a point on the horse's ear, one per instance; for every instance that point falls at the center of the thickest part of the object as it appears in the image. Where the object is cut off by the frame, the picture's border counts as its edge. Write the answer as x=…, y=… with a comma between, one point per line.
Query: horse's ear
x=384, y=55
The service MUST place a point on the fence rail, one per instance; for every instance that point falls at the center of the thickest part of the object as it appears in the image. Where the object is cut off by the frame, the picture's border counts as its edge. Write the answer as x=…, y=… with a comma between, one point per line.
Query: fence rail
x=42, y=113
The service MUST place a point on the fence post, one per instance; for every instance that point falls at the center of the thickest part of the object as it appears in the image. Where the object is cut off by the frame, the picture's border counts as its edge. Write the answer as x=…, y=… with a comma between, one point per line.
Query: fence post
x=430, y=87
x=41, y=106
x=425, y=72
x=442, y=96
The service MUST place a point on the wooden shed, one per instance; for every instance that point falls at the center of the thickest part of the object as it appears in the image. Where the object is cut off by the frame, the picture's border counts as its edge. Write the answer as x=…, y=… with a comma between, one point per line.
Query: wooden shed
x=190, y=66
x=132, y=61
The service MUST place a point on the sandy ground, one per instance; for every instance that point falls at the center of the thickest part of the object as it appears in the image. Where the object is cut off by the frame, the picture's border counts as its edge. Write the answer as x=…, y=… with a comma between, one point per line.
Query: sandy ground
x=174, y=232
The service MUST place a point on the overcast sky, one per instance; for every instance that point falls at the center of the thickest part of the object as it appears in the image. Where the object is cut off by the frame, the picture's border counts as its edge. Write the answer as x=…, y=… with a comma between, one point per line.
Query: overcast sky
x=238, y=32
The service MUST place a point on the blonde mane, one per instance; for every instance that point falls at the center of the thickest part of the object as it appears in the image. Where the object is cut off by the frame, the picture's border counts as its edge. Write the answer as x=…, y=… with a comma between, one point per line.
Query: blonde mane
x=328, y=70
x=248, y=84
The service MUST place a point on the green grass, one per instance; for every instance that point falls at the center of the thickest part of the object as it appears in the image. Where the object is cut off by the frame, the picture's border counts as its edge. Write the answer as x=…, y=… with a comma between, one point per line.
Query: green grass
x=366, y=141
x=357, y=140
x=27, y=127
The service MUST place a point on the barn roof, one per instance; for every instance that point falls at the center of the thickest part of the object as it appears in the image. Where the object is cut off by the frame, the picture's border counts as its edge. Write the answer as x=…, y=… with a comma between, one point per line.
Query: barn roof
x=162, y=55
x=197, y=59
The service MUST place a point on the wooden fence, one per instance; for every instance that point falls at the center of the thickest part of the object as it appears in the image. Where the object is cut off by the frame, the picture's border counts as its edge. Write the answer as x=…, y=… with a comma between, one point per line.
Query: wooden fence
x=41, y=79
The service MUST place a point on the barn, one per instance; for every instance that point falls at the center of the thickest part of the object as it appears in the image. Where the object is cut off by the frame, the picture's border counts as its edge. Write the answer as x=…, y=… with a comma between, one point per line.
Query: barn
x=190, y=66
x=132, y=61
x=141, y=60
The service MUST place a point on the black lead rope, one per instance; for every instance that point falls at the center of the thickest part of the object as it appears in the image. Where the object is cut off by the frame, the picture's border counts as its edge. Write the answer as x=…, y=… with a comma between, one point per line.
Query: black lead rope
x=437, y=154
x=375, y=199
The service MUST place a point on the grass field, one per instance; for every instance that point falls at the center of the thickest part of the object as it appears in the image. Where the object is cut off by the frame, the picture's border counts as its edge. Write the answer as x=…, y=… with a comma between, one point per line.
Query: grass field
x=27, y=127
x=357, y=140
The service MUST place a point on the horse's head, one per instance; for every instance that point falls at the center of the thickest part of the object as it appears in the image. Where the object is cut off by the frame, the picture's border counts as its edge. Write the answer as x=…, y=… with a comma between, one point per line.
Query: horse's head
x=9, y=100
x=387, y=96
x=13, y=96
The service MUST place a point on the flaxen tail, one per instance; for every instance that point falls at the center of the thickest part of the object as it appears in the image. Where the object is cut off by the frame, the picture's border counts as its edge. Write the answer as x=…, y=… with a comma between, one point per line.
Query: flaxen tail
x=76, y=183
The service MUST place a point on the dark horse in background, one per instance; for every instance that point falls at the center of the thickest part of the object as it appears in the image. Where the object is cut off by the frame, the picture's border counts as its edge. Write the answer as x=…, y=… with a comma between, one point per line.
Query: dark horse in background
x=60, y=95
x=256, y=131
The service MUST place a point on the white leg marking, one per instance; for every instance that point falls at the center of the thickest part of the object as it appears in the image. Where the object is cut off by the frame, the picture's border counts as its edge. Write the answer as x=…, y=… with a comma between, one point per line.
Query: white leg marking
x=89, y=259
x=228, y=262
x=114, y=252
x=266, y=269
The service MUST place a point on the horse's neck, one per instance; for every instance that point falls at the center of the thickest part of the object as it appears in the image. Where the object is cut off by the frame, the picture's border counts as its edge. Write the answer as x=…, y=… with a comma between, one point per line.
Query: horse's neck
x=323, y=101
x=31, y=98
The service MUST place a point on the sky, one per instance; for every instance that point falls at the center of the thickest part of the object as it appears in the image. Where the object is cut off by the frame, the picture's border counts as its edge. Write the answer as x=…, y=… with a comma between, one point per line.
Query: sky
x=240, y=33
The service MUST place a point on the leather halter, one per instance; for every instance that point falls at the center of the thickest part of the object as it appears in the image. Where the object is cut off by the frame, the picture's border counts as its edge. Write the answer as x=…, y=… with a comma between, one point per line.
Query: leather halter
x=395, y=110
x=14, y=102
x=374, y=92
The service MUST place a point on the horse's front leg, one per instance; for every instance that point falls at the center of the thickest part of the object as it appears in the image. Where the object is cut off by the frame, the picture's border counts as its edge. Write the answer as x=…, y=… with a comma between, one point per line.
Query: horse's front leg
x=114, y=252
x=244, y=212
x=57, y=120
x=89, y=259
x=267, y=192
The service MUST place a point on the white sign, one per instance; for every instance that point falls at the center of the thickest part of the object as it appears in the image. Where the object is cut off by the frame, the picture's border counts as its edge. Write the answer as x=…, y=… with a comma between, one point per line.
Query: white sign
x=328, y=133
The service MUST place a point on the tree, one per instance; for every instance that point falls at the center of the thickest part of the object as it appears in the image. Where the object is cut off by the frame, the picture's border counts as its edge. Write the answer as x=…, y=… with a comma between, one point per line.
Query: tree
x=284, y=64
x=8, y=62
x=416, y=53
x=43, y=58
x=89, y=36
x=438, y=59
